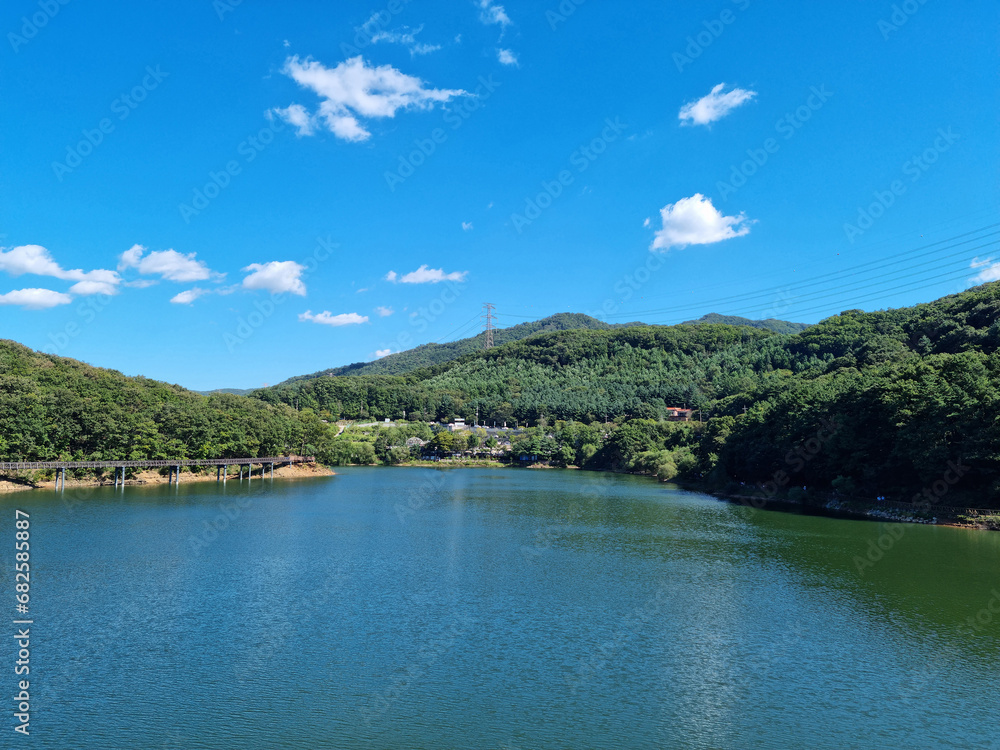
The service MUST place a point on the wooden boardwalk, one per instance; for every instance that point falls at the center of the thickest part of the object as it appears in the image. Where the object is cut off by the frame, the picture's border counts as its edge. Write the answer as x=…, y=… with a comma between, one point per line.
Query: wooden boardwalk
x=174, y=464
x=152, y=463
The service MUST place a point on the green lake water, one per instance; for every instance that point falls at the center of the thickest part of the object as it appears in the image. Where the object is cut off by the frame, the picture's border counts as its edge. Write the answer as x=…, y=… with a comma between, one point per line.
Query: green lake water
x=478, y=608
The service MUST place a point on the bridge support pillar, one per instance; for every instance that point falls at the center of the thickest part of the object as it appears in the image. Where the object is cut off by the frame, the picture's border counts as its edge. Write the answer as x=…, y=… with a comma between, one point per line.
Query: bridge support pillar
x=241, y=472
x=272, y=470
x=225, y=473
x=63, y=471
x=178, y=478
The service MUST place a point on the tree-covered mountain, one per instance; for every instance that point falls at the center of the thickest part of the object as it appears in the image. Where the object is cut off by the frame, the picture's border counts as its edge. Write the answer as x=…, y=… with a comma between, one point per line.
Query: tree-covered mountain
x=770, y=324
x=57, y=408
x=894, y=402
x=910, y=391
x=428, y=355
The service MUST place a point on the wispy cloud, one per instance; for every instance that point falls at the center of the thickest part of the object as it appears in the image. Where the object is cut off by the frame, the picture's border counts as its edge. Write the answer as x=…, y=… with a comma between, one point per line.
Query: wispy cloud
x=167, y=264
x=989, y=270
x=353, y=91
x=189, y=296
x=506, y=57
x=408, y=39
x=298, y=117
x=492, y=13
x=38, y=261
x=327, y=318
x=695, y=221
x=425, y=275
x=714, y=106
x=35, y=299
x=384, y=312
x=467, y=226
x=277, y=276
x=379, y=353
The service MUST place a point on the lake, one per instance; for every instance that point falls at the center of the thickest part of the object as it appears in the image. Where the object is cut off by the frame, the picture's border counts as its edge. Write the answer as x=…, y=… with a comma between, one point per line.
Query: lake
x=478, y=608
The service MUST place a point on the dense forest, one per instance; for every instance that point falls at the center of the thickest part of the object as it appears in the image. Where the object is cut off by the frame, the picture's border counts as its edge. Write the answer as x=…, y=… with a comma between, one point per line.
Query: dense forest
x=430, y=355
x=894, y=398
x=770, y=324
x=56, y=408
x=879, y=403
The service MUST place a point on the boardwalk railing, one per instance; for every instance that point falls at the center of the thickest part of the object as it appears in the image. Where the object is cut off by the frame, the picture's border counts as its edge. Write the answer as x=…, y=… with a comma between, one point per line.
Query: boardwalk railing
x=174, y=464
x=151, y=463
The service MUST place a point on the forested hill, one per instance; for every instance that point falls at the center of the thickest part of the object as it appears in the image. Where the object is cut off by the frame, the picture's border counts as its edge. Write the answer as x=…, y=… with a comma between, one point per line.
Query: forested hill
x=427, y=355
x=890, y=401
x=55, y=408
x=770, y=324
x=909, y=390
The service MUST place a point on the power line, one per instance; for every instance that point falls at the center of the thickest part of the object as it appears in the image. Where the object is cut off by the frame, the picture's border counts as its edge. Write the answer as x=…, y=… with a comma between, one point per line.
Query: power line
x=742, y=305
x=463, y=327
x=874, y=266
x=856, y=270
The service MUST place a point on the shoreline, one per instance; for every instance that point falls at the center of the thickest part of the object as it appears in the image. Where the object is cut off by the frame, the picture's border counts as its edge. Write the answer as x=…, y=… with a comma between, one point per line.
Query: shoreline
x=859, y=510
x=151, y=477
x=829, y=507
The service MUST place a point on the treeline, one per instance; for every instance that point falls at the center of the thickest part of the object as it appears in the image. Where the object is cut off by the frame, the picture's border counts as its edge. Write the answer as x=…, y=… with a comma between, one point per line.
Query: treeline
x=892, y=401
x=429, y=355
x=883, y=403
x=53, y=408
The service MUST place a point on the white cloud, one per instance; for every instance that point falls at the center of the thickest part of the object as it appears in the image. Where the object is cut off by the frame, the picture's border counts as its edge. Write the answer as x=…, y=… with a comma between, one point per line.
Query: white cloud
x=33, y=259
x=189, y=296
x=990, y=271
x=408, y=39
x=647, y=223
x=167, y=264
x=425, y=275
x=100, y=282
x=467, y=226
x=353, y=90
x=714, y=105
x=506, y=57
x=491, y=13
x=299, y=117
x=36, y=260
x=140, y=283
x=276, y=277
x=35, y=299
x=329, y=319
x=384, y=312
x=695, y=221
x=379, y=353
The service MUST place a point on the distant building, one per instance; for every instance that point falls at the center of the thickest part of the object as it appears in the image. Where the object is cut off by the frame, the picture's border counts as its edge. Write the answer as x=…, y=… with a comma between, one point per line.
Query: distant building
x=458, y=424
x=415, y=442
x=676, y=414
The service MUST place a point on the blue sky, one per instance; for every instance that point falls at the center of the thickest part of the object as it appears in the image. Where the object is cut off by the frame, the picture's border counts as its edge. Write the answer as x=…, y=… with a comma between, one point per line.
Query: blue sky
x=228, y=194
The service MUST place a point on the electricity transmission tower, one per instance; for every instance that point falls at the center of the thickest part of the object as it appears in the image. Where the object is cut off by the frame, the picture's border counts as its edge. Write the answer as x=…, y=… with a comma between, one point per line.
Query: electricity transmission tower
x=488, y=316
